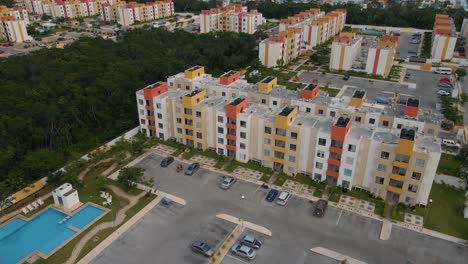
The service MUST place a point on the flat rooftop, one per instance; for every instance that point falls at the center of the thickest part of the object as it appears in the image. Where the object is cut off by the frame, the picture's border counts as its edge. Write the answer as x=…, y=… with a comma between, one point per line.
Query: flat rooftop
x=229, y=73
x=287, y=110
x=268, y=79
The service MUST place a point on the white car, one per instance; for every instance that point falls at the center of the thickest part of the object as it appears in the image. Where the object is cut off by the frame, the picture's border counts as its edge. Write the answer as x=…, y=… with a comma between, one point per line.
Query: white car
x=443, y=93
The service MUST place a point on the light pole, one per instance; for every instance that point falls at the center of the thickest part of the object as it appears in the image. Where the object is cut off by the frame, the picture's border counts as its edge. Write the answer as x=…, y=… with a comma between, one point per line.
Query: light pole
x=428, y=207
x=242, y=220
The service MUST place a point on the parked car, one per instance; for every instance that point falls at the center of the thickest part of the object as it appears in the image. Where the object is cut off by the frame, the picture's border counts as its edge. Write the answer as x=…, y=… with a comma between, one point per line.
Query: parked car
x=202, y=248
x=250, y=241
x=271, y=195
x=61, y=38
x=346, y=77
x=1, y=52
x=192, y=168
x=445, y=81
x=283, y=198
x=445, y=85
x=381, y=100
x=42, y=45
x=243, y=251
x=38, y=39
x=166, y=161
x=450, y=143
x=443, y=93
x=320, y=207
x=27, y=41
x=5, y=45
x=228, y=181
x=296, y=79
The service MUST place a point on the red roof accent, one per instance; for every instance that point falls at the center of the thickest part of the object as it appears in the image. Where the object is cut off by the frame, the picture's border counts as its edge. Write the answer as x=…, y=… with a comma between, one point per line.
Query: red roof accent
x=277, y=39
x=206, y=12
x=342, y=39
x=390, y=38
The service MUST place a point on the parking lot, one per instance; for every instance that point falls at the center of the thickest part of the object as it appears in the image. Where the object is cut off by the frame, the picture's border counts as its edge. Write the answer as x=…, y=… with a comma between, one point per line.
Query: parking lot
x=165, y=233
x=426, y=85
x=406, y=49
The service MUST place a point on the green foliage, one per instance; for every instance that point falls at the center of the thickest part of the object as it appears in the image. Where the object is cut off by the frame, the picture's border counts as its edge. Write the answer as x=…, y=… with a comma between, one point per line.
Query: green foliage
x=129, y=177
x=461, y=72
x=450, y=164
x=450, y=110
x=192, y=5
x=8, y=3
x=314, y=57
x=58, y=102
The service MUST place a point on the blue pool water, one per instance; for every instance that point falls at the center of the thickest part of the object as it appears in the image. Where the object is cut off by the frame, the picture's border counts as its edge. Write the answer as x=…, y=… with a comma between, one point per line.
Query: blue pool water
x=43, y=233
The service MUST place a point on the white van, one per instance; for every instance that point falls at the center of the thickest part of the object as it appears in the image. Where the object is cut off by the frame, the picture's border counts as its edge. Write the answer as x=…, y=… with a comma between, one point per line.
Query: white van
x=442, y=70
x=283, y=198
x=450, y=143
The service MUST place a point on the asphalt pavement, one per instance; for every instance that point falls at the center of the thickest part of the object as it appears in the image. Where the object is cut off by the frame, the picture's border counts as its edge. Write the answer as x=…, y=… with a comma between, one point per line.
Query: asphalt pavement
x=164, y=234
x=406, y=49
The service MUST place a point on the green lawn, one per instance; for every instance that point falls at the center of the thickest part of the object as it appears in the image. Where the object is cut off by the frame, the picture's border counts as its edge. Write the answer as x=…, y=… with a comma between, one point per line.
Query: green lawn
x=449, y=165
x=249, y=165
x=220, y=159
x=282, y=177
x=332, y=92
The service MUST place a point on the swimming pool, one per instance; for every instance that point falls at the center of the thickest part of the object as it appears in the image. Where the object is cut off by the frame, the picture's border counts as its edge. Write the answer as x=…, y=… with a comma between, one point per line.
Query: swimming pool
x=43, y=233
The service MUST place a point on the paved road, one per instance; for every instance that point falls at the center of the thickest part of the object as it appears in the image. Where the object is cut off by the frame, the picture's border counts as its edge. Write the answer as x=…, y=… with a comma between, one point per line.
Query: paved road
x=163, y=235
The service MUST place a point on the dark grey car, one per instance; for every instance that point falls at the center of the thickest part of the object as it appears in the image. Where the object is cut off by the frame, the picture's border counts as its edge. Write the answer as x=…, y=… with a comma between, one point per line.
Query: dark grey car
x=251, y=241
x=202, y=248
x=192, y=168
x=166, y=161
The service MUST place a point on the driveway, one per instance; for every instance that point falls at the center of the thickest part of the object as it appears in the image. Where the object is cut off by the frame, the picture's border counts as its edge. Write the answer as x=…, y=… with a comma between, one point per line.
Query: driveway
x=164, y=234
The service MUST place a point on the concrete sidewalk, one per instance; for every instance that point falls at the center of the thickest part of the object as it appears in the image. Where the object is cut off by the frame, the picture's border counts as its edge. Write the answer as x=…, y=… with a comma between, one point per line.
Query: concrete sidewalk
x=245, y=224
x=335, y=255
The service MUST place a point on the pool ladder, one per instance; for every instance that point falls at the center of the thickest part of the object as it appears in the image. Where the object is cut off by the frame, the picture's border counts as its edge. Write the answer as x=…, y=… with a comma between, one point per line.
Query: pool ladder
x=64, y=219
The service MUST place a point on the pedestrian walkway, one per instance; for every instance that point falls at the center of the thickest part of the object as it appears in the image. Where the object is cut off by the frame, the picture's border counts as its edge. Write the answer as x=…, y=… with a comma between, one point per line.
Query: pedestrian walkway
x=386, y=229
x=335, y=255
x=246, y=224
x=204, y=160
x=227, y=244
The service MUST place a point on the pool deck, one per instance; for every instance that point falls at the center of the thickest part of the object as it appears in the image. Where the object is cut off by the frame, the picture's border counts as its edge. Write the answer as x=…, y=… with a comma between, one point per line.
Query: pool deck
x=33, y=255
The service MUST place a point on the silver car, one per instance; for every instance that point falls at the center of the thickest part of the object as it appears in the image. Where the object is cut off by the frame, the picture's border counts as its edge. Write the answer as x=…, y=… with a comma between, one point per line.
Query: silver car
x=243, y=251
x=228, y=181
x=250, y=241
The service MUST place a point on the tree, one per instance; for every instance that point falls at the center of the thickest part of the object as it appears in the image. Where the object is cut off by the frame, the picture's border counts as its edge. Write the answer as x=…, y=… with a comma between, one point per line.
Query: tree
x=461, y=72
x=5, y=196
x=137, y=143
x=45, y=17
x=314, y=57
x=130, y=177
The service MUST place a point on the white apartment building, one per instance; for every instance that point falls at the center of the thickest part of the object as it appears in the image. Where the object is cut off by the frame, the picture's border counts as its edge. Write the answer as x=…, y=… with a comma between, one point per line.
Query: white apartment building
x=127, y=14
x=380, y=57
x=344, y=141
x=13, y=22
x=281, y=49
x=234, y=18
x=444, y=38
x=345, y=49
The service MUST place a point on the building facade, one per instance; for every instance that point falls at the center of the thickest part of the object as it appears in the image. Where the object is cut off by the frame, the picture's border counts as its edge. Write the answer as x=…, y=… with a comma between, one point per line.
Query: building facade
x=234, y=18
x=281, y=49
x=444, y=38
x=13, y=23
x=380, y=57
x=126, y=14
x=345, y=49
x=391, y=151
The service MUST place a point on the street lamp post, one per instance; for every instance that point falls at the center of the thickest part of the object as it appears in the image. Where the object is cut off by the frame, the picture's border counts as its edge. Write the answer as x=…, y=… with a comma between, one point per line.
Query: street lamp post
x=242, y=220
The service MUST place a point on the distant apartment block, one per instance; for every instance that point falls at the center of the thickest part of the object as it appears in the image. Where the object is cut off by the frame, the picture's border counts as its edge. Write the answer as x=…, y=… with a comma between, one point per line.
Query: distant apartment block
x=13, y=22
x=444, y=38
x=126, y=14
x=391, y=151
x=311, y=28
x=281, y=49
x=66, y=9
x=234, y=18
x=345, y=49
x=380, y=56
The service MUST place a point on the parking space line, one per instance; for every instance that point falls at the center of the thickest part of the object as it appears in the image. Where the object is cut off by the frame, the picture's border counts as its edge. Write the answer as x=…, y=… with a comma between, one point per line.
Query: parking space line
x=236, y=258
x=339, y=217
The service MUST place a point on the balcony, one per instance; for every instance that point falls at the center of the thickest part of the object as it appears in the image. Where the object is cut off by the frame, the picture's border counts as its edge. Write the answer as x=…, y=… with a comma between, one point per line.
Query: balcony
x=187, y=116
x=153, y=128
x=279, y=137
x=278, y=160
x=191, y=137
x=279, y=149
x=149, y=107
x=400, y=164
x=231, y=126
x=394, y=189
x=336, y=150
x=190, y=127
x=334, y=162
x=231, y=137
x=231, y=148
x=333, y=174
x=150, y=117
x=397, y=177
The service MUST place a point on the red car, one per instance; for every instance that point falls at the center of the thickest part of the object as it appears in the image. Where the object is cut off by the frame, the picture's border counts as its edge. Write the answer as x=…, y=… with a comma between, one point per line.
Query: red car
x=296, y=79
x=1, y=52
x=10, y=44
x=445, y=81
x=6, y=45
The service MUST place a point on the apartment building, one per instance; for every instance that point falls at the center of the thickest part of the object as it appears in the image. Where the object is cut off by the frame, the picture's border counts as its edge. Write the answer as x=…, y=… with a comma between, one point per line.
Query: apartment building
x=300, y=20
x=129, y=13
x=281, y=49
x=65, y=9
x=13, y=22
x=234, y=18
x=345, y=49
x=380, y=56
x=391, y=151
x=444, y=38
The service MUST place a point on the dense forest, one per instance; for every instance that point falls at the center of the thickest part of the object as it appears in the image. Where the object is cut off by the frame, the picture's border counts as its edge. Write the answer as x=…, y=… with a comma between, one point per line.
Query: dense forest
x=57, y=104
x=396, y=13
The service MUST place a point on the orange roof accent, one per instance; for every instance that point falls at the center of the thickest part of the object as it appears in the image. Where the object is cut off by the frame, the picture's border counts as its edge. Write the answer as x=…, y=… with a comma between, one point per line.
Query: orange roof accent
x=390, y=38
x=341, y=39
x=295, y=30
x=7, y=18
x=277, y=39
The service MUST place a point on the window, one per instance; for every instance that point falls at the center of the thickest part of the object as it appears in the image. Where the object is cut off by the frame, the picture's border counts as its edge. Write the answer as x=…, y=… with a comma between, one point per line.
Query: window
x=178, y=85
x=385, y=123
x=160, y=125
x=371, y=121
x=275, y=102
x=348, y=172
x=357, y=119
x=349, y=160
x=177, y=110
x=142, y=112
x=332, y=113
x=317, y=176
x=320, y=154
x=351, y=148
x=267, y=130
x=243, y=124
x=322, y=142
x=158, y=105
x=292, y=147
x=320, y=111
x=266, y=152
x=243, y=135
x=416, y=176
x=399, y=126
x=308, y=109
x=412, y=188
x=379, y=180
x=242, y=146
x=345, y=184
x=223, y=94
x=220, y=130
x=179, y=130
x=384, y=155
x=263, y=101
x=220, y=140
x=319, y=165
x=220, y=119
x=140, y=102
x=199, y=146
x=293, y=135
x=382, y=167
x=187, y=87
x=233, y=95
x=267, y=141
x=198, y=114
x=402, y=158
x=199, y=135
x=420, y=162
x=179, y=120
x=159, y=116
x=292, y=159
